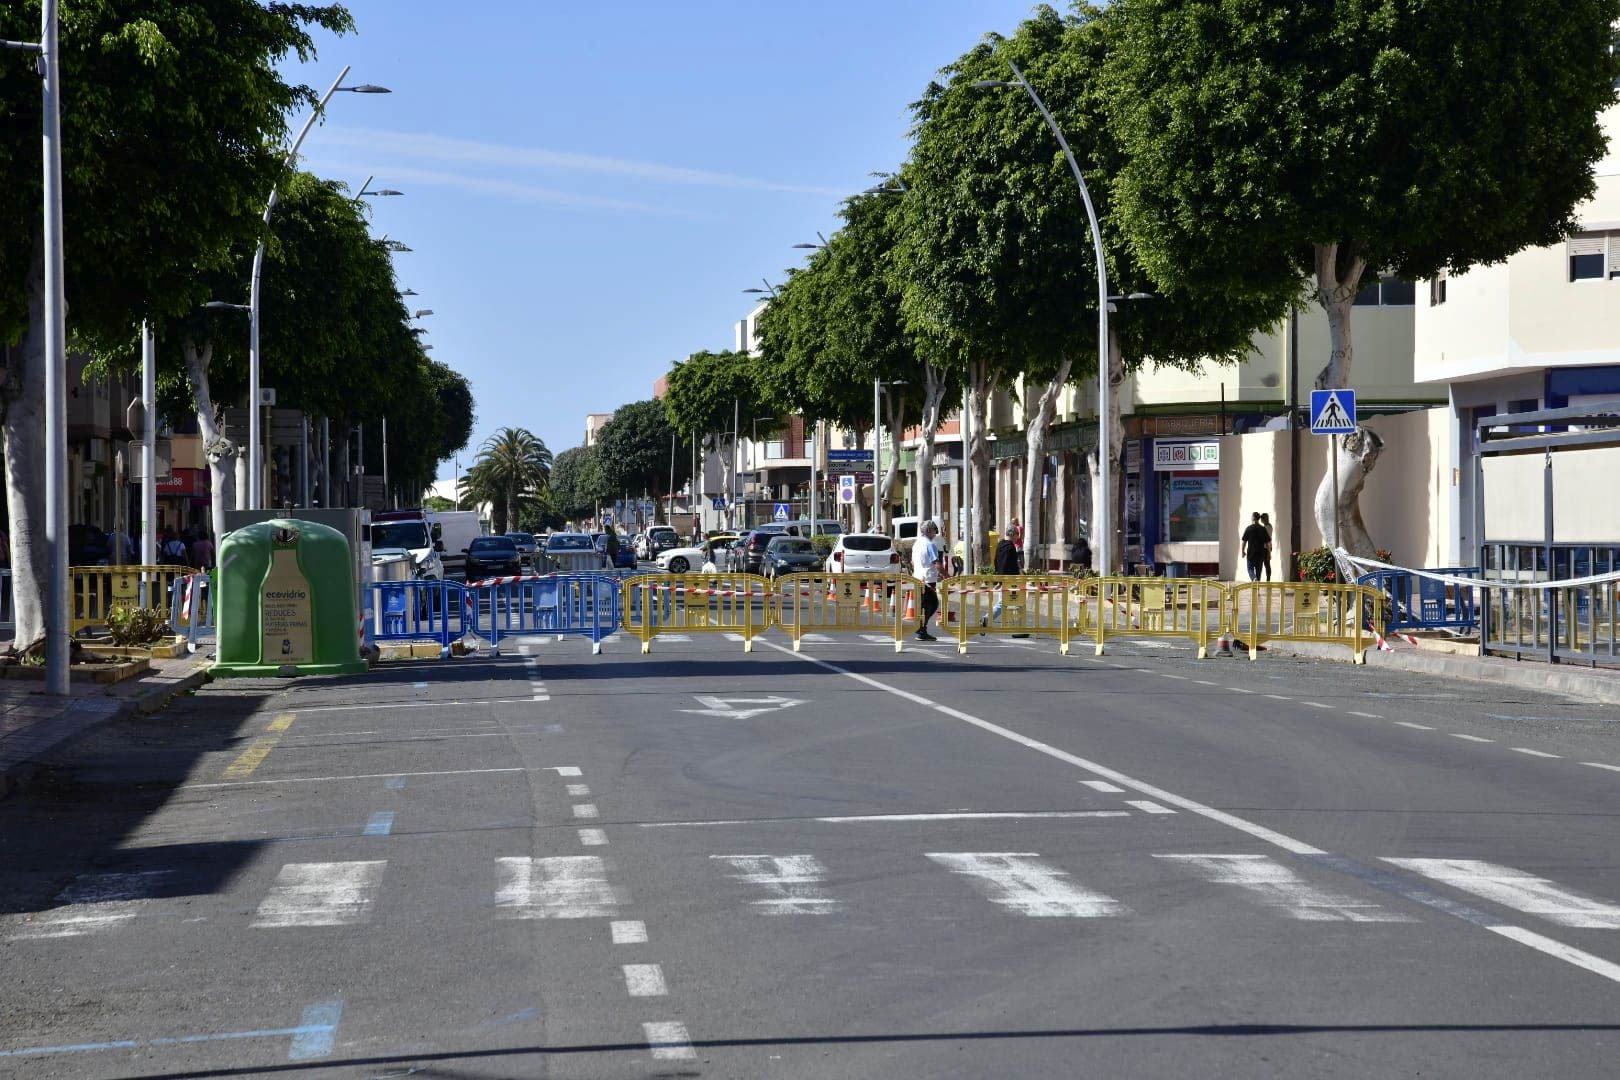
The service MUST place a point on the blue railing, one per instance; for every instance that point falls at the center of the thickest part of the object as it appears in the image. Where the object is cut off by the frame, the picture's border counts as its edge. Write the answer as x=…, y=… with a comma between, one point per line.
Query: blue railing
x=1420, y=603
x=586, y=605
x=439, y=611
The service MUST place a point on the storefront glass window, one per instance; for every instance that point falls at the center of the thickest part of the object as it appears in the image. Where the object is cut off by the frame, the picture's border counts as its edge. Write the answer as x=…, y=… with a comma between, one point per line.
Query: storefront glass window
x=1190, y=509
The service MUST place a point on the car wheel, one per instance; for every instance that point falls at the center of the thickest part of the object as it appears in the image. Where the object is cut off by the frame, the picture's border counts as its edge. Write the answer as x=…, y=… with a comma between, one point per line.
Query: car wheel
x=679, y=565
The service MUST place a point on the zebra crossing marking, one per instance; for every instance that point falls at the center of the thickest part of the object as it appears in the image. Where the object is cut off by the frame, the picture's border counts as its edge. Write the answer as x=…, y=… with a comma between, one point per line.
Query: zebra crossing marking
x=1020, y=882
x=93, y=903
x=321, y=894
x=556, y=887
x=1519, y=890
x=1277, y=886
x=792, y=880
x=668, y=1040
x=644, y=980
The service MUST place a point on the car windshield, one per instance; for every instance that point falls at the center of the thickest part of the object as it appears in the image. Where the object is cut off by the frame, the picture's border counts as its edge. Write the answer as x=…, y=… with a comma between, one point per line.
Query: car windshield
x=782, y=546
x=493, y=545
x=400, y=534
x=569, y=542
x=661, y=530
x=521, y=538
x=866, y=543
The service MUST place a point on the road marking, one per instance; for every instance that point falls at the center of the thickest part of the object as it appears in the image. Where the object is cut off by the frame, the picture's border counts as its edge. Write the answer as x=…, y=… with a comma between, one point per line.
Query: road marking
x=1368, y=715
x=950, y=815
x=1417, y=727
x=579, y=791
x=1600, y=765
x=585, y=810
x=321, y=894
x=1103, y=785
x=394, y=783
x=1532, y=753
x=1153, y=644
x=628, y=931
x=558, y=887
x=282, y=722
x=567, y=770
x=419, y=686
x=1240, y=690
x=1316, y=705
x=1020, y=882
x=311, y=1038
x=792, y=881
x=1147, y=806
x=317, y=1030
x=668, y=1041
x=381, y=823
x=411, y=705
x=254, y=755
x=381, y=775
x=1167, y=675
x=1275, y=885
x=1279, y=697
x=726, y=707
x=1470, y=738
x=1205, y=682
x=92, y=903
x=644, y=980
x=592, y=837
x=1518, y=890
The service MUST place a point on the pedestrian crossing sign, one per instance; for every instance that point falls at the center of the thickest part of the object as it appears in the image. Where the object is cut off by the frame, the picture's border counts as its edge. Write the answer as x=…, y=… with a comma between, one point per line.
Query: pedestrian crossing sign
x=1333, y=412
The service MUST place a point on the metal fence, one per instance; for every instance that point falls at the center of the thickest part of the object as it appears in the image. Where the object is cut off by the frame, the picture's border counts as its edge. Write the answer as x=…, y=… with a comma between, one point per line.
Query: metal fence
x=96, y=590
x=1418, y=602
x=842, y=603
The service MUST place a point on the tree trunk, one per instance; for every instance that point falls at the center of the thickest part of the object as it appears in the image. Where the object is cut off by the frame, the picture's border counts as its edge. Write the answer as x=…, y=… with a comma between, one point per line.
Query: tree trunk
x=932, y=410
x=1038, y=413
x=343, y=478
x=1337, y=282
x=24, y=428
x=1113, y=454
x=220, y=451
x=982, y=386
x=897, y=409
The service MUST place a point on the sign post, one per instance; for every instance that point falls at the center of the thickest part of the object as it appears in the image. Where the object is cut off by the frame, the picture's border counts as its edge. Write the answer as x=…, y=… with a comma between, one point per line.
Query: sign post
x=1333, y=412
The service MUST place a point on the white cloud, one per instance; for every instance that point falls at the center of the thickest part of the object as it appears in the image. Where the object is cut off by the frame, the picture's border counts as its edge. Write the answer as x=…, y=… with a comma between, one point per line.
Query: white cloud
x=510, y=189
x=444, y=148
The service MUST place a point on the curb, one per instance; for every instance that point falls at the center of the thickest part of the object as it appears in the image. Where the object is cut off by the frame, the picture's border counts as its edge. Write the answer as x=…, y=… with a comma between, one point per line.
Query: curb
x=1594, y=686
x=15, y=775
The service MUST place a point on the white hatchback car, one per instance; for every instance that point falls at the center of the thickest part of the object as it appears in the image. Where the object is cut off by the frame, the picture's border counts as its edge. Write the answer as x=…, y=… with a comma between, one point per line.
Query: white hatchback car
x=864, y=552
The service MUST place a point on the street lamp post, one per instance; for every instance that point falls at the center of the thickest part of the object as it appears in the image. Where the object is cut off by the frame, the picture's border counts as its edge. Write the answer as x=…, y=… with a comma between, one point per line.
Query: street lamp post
x=255, y=451
x=1101, y=527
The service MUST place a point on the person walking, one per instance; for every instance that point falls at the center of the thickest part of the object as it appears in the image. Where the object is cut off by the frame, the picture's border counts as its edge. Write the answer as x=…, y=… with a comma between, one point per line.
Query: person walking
x=1255, y=542
x=1271, y=542
x=1006, y=564
x=202, y=552
x=925, y=559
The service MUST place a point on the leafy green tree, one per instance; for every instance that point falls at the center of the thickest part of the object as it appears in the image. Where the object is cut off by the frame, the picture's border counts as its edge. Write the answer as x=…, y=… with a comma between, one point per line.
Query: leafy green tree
x=1399, y=137
x=171, y=115
x=637, y=448
x=720, y=394
x=512, y=468
x=576, y=483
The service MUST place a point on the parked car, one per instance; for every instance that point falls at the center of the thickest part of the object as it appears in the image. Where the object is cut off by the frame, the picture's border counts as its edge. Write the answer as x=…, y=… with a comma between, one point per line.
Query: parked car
x=748, y=553
x=824, y=527
x=573, y=553
x=638, y=543
x=626, y=557
x=684, y=560
x=492, y=556
x=527, y=546
x=863, y=552
x=789, y=555
x=659, y=538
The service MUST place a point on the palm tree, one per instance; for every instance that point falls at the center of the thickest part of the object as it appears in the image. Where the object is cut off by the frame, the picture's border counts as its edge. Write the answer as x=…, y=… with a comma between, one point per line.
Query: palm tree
x=512, y=467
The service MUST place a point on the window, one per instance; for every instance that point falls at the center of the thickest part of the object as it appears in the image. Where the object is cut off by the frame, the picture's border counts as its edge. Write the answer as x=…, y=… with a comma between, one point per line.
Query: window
x=1594, y=256
x=1387, y=291
x=1437, y=290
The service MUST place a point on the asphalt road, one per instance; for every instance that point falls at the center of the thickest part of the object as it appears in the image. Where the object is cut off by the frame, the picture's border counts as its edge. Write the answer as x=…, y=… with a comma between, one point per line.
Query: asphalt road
x=846, y=863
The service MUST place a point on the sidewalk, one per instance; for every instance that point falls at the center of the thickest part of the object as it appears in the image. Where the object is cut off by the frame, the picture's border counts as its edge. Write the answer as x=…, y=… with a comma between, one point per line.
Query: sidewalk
x=33, y=723
x=1435, y=657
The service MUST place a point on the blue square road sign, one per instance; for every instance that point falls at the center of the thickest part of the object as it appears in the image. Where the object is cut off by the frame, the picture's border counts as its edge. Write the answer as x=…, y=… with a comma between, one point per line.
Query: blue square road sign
x=1333, y=412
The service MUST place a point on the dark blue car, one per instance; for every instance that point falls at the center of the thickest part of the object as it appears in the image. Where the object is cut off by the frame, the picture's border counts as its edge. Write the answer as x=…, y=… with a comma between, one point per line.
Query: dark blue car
x=626, y=558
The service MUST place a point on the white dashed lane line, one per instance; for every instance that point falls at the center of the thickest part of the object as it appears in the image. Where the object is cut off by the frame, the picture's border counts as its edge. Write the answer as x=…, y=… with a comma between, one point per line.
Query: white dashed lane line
x=1532, y=753
x=1415, y=727
x=1600, y=765
x=628, y=931
x=1367, y=715
x=1469, y=738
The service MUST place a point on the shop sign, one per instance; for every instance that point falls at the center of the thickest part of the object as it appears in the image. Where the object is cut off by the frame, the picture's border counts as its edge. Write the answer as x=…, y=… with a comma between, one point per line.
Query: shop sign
x=288, y=626
x=1174, y=456
x=183, y=482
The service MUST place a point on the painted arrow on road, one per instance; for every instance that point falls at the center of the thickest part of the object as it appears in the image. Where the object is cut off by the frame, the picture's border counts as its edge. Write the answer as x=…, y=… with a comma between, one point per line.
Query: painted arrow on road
x=727, y=707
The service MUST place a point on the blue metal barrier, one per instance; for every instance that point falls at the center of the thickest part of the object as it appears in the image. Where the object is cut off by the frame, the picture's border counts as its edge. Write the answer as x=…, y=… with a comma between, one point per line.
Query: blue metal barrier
x=1420, y=603
x=587, y=605
x=423, y=611
x=191, y=609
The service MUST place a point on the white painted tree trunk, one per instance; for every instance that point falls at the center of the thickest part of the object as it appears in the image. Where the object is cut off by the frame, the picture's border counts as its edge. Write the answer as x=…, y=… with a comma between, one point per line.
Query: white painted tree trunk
x=220, y=451
x=1038, y=413
x=24, y=429
x=932, y=412
x=981, y=386
x=1336, y=291
x=896, y=406
x=1115, y=452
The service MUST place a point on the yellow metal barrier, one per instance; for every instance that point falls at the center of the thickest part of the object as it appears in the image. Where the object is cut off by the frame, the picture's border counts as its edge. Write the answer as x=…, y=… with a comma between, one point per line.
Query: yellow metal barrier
x=1012, y=604
x=99, y=589
x=697, y=604
x=1262, y=611
x=1157, y=608
x=808, y=603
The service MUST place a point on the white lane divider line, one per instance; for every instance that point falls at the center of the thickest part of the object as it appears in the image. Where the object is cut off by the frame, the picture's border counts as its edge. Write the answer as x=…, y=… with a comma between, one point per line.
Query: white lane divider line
x=556, y=887
x=644, y=980
x=1366, y=715
x=1532, y=753
x=560, y=770
x=1167, y=675
x=793, y=882
x=1518, y=890
x=592, y=838
x=568, y=770
x=1600, y=765
x=1240, y=690
x=1275, y=885
x=381, y=824
x=91, y=903
x=1103, y=785
x=1020, y=882
x=1316, y=705
x=1148, y=806
x=585, y=810
x=1279, y=697
x=628, y=931
x=1206, y=682
x=668, y=1040
x=1415, y=727
x=1469, y=738
x=579, y=791
x=321, y=894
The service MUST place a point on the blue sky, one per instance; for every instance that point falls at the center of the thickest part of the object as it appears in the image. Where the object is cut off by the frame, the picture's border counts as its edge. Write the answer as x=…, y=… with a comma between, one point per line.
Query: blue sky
x=589, y=187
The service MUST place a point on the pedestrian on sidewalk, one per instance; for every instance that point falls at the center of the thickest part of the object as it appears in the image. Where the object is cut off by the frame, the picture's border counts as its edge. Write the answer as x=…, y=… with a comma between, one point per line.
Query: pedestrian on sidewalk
x=1255, y=542
x=1006, y=564
x=1271, y=542
x=925, y=560
x=202, y=552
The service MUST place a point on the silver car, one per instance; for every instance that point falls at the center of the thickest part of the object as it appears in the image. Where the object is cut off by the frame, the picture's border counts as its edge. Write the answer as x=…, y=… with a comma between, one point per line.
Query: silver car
x=574, y=553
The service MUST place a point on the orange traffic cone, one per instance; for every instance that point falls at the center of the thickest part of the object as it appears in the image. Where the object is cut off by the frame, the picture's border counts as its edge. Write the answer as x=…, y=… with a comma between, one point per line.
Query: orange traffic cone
x=831, y=594
x=911, y=606
x=876, y=604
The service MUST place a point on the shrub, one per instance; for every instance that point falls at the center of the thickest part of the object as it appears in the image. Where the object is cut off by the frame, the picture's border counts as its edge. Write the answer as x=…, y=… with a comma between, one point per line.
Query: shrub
x=1317, y=565
x=823, y=545
x=136, y=625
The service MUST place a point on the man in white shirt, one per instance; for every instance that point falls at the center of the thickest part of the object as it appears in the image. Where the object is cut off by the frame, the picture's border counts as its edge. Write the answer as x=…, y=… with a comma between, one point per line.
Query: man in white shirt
x=925, y=559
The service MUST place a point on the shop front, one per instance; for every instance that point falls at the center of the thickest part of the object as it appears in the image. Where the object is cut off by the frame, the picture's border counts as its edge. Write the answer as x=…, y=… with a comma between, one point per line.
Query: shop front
x=182, y=499
x=1181, y=508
